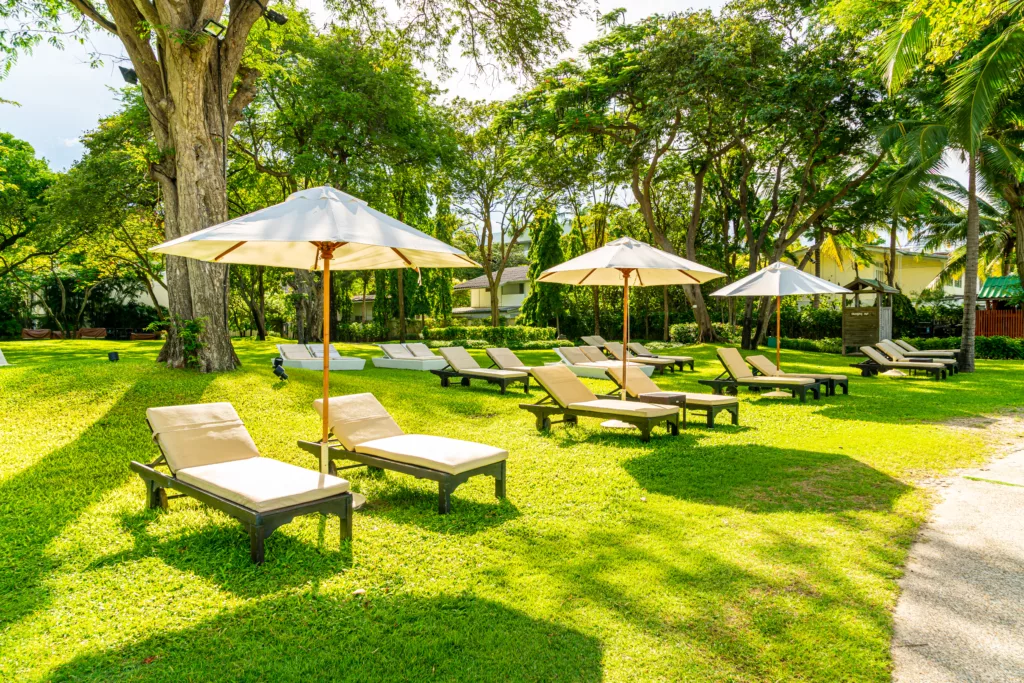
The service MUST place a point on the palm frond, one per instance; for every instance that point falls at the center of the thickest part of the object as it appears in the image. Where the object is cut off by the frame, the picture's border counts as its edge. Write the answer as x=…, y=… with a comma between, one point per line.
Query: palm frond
x=903, y=50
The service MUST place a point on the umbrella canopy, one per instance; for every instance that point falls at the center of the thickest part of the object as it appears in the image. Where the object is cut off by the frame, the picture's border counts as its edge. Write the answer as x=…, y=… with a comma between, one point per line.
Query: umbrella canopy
x=627, y=263
x=779, y=280
x=318, y=229
x=647, y=267
x=289, y=235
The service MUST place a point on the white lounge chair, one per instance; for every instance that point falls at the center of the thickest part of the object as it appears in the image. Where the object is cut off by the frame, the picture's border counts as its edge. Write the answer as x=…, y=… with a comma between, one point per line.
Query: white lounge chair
x=581, y=366
x=3, y=361
x=212, y=458
x=408, y=357
x=368, y=435
x=310, y=357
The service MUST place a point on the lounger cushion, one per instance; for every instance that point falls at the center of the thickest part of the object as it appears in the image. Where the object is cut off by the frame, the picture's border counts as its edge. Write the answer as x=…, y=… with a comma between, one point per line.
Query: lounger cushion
x=950, y=355
x=459, y=358
x=639, y=349
x=638, y=381
x=733, y=362
x=263, y=484
x=396, y=351
x=494, y=372
x=357, y=418
x=681, y=359
x=593, y=354
x=318, y=351
x=506, y=360
x=615, y=348
x=768, y=381
x=420, y=350
x=625, y=408
x=594, y=340
x=434, y=452
x=202, y=434
x=563, y=386
x=695, y=400
x=573, y=354
x=294, y=352
x=768, y=368
x=880, y=360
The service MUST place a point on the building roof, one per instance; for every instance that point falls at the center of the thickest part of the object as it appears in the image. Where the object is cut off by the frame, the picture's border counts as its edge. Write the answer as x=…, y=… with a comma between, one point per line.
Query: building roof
x=913, y=250
x=1000, y=287
x=358, y=298
x=513, y=274
x=862, y=283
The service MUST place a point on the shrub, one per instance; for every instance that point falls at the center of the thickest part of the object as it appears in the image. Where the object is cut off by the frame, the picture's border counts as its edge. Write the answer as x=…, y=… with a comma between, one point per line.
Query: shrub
x=686, y=333
x=538, y=344
x=828, y=345
x=362, y=332
x=495, y=336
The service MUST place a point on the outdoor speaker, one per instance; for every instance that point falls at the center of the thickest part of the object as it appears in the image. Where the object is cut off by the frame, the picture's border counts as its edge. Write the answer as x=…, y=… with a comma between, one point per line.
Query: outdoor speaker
x=113, y=357
x=279, y=369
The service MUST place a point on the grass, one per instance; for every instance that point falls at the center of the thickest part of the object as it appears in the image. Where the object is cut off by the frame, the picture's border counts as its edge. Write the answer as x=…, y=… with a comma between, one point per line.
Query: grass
x=768, y=551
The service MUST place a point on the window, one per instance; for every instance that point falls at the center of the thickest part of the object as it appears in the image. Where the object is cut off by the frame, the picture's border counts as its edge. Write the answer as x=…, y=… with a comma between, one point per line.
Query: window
x=513, y=288
x=880, y=274
x=958, y=282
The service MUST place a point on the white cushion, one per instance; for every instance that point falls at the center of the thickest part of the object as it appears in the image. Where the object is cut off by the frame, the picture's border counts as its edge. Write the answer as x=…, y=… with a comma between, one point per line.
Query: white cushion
x=395, y=351
x=263, y=484
x=200, y=434
x=695, y=399
x=627, y=408
x=494, y=372
x=794, y=381
x=433, y=452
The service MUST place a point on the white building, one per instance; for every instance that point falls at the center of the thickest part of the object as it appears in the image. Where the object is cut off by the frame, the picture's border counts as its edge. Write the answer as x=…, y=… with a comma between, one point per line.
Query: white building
x=512, y=290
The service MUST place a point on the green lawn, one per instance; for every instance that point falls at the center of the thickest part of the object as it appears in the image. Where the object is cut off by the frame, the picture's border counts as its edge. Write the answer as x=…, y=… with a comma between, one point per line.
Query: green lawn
x=768, y=551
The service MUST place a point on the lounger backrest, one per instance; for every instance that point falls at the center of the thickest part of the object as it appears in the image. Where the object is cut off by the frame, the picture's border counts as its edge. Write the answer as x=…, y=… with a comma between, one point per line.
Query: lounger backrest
x=904, y=345
x=318, y=351
x=764, y=366
x=420, y=350
x=459, y=358
x=563, y=386
x=892, y=350
x=504, y=359
x=875, y=356
x=573, y=354
x=733, y=362
x=202, y=434
x=294, y=352
x=593, y=354
x=639, y=349
x=396, y=351
x=637, y=381
x=358, y=418
x=594, y=340
x=614, y=348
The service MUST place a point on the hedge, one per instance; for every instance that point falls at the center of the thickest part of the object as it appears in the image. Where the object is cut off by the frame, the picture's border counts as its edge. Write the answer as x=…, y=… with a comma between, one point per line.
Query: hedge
x=481, y=344
x=686, y=333
x=988, y=348
x=495, y=336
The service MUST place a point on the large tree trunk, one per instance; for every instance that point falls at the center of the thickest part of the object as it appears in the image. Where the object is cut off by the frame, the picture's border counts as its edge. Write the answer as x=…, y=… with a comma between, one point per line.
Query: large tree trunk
x=970, y=268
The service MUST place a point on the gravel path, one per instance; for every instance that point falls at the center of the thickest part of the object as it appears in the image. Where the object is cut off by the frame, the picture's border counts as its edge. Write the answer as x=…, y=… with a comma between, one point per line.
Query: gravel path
x=960, y=616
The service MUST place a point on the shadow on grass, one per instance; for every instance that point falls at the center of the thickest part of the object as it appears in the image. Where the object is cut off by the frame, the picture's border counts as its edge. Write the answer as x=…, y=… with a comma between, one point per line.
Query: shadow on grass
x=403, y=504
x=380, y=638
x=766, y=479
x=41, y=501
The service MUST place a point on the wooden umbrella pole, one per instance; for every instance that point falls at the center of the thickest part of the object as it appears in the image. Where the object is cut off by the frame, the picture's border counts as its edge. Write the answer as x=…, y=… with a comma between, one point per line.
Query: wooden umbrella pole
x=625, y=327
x=778, y=329
x=327, y=253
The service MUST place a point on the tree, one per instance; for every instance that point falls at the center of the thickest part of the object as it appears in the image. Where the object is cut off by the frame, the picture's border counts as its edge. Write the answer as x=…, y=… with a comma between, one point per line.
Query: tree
x=195, y=88
x=24, y=229
x=544, y=302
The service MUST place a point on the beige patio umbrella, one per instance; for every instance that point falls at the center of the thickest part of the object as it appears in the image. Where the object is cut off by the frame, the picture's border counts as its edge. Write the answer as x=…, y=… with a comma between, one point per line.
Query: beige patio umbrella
x=627, y=262
x=319, y=229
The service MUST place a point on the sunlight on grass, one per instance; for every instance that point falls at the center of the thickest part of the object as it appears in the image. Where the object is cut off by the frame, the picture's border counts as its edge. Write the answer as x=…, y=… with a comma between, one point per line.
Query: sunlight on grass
x=764, y=551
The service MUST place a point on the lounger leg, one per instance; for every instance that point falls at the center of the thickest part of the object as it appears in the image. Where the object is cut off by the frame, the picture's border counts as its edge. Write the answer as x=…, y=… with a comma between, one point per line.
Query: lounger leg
x=444, y=498
x=711, y=417
x=256, y=538
x=526, y=385
x=645, y=433
x=503, y=386
x=691, y=366
x=465, y=381
x=346, y=520
x=153, y=495
x=673, y=426
x=803, y=394
x=444, y=382
x=499, y=481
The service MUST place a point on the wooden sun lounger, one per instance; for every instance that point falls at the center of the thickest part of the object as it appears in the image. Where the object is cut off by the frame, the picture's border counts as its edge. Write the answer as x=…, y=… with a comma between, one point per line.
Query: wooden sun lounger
x=737, y=374
x=763, y=366
x=212, y=458
x=895, y=352
x=640, y=387
x=909, y=350
x=504, y=359
x=640, y=350
x=659, y=364
x=594, y=340
x=463, y=365
x=367, y=435
x=408, y=357
x=569, y=397
x=877, y=362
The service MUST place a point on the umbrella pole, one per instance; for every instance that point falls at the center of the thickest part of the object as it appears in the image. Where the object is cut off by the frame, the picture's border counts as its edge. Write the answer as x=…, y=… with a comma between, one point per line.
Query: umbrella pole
x=778, y=328
x=327, y=360
x=625, y=329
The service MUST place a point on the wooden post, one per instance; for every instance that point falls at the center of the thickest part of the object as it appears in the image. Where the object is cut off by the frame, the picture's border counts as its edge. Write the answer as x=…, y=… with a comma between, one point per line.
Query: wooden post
x=625, y=328
x=778, y=331
x=327, y=253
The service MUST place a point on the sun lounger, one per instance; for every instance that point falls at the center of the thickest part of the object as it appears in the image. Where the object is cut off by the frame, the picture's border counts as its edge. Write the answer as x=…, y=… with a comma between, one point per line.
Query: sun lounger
x=737, y=374
x=765, y=367
x=367, y=435
x=464, y=366
x=896, y=352
x=3, y=361
x=594, y=340
x=659, y=364
x=212, y=458
x=403, y=357
x=311, y=357
x=877, y=362
x=912, y=352
x=569, y=397
x=581, y=366
x=36, y=334
x=504, y=359
x=640, y=350
x=91, y=333
x=640, y=387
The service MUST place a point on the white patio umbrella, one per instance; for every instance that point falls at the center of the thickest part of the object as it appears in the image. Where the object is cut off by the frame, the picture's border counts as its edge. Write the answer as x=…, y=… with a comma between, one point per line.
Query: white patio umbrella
x=627, y=262
x=779, y=280
x=319, y=229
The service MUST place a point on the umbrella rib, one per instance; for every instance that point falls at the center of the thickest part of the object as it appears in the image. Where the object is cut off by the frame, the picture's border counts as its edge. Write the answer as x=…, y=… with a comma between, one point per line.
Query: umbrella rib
x=695, y=280
x=402, y=256
x=638, y=278
x=228, y=251
x=587, y=275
